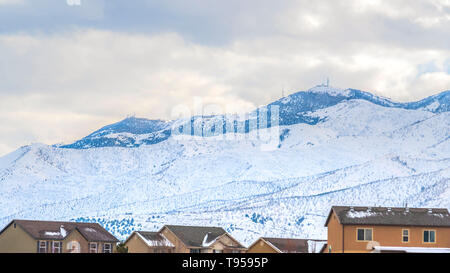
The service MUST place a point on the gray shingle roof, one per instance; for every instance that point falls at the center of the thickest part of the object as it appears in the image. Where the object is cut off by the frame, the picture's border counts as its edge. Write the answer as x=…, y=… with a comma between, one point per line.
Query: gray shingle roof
x=195, y=236
x=433, y=217
x=53, y=230
x=289, y=245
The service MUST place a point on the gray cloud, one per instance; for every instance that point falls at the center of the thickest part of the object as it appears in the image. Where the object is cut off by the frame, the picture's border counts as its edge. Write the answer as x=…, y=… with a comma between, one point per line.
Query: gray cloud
x=68, y=73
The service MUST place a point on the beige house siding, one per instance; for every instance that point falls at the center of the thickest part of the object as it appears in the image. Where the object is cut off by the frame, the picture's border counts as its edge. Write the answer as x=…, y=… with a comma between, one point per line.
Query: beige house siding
x=136, y=245
x=17, y=240
x=261, y=247
x=179, y=246
x=75, y=236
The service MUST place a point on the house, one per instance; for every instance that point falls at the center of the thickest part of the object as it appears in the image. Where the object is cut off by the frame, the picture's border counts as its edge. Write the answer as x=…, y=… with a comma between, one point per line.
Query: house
x=148, y=242
x=384, y=229
x=285, y=245
x=185, y=239
x=28, y=236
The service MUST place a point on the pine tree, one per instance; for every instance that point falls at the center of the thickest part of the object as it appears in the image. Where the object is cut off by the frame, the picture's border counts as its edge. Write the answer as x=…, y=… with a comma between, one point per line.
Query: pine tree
x=121, y=248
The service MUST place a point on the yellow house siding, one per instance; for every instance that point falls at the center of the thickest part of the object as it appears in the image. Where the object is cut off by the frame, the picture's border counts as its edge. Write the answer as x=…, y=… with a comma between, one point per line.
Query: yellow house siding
x=16, y=240
x=75, y=236
x=136, y=245
x=179, y=246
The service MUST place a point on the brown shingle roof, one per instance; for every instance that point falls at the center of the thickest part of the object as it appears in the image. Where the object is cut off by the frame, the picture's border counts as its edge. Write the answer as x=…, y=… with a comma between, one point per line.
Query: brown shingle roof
x=53, y=230
x=195, y=236
x=433, y=217
x=289, y=245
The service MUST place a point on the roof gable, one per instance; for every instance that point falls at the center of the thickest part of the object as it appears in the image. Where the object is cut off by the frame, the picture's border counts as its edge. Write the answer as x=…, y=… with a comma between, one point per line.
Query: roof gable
x=195, y=236
x=153, y=239
x=288, y=245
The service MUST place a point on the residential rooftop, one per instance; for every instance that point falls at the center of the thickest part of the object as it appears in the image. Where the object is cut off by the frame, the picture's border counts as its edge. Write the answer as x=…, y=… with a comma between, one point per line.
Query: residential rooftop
x=55, y=230
x=391, y=216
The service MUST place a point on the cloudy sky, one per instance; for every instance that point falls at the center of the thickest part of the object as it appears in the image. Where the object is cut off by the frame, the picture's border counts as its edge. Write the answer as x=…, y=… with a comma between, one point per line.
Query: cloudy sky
x=68, y=67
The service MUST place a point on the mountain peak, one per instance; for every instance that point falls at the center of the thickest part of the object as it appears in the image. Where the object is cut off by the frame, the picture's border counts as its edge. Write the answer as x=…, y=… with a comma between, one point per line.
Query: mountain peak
x=133, y=125
x=334, y=91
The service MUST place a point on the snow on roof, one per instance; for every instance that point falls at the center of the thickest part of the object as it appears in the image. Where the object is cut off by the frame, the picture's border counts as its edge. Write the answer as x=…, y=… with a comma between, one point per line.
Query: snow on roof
x=392, y=216
x=208, y=240
x=52, y=233
x=62, y=231
x=314, y=246
x=412, y=249
x=88, y=229
x=155, y=239
x=360, y=214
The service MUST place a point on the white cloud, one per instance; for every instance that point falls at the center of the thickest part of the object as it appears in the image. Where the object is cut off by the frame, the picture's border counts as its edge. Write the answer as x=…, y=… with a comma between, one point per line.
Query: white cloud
x=11, y=2
x=62, y=86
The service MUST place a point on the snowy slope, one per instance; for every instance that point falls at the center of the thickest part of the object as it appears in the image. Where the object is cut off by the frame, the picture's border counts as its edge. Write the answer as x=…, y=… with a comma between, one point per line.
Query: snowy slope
x=334, y=147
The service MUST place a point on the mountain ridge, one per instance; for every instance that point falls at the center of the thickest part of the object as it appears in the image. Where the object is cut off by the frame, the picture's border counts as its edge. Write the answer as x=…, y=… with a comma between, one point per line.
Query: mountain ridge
x=293, y=109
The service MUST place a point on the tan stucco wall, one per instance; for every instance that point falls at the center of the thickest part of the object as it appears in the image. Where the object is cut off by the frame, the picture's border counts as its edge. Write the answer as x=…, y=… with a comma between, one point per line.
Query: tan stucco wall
x=16, y=240
x=136, y=245
x=179, y=246
x=76, y=236
x=261, y=247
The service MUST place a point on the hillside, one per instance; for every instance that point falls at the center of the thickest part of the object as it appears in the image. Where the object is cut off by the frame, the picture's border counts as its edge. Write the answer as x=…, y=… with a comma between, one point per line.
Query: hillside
x=334, y=147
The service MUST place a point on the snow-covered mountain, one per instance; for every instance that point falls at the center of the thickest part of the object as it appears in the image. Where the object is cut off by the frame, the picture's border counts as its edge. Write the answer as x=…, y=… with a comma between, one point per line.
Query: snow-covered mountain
x=333, y=147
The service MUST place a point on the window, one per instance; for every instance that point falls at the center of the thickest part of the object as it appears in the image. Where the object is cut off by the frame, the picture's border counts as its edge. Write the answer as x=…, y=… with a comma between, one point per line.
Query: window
x=405, y=235
x=217, y=251
x=195, y=250
x=73, y=247
x=429, y=236
x=107, y=248
x=56, y=247
x=329, y=249
x=92, y=247
x=364, y=234
x=42, y=247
